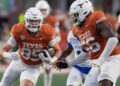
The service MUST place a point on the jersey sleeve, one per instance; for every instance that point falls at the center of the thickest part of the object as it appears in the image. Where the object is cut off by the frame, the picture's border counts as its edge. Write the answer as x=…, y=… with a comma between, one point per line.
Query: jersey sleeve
x=68, y=37
x=69, y=40
x=16, y=31
x=50, y=32
x=13, y=33
x=69, y=45
x=52, y=35
x=100, y=17
x=12, y=41
x=55, y=21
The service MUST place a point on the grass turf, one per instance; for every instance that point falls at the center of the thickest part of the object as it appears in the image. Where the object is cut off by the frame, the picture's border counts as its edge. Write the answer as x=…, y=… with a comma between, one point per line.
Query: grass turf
x=58, y=80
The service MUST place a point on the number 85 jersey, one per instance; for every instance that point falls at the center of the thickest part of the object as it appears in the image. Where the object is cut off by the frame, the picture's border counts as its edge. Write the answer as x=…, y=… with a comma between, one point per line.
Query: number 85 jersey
x=91, y=41
x=29, y=47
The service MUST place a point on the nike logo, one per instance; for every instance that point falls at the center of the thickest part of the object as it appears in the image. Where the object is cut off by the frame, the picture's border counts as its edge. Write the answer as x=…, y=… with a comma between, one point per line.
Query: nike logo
x=41, y=38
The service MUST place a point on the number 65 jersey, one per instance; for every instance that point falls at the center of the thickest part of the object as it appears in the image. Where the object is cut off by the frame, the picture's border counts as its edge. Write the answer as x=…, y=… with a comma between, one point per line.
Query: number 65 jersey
x=91, y=41
x=29, y=47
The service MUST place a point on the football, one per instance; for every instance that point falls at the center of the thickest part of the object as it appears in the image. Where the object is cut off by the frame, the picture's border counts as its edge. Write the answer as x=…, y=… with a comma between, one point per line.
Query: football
x=51, y=52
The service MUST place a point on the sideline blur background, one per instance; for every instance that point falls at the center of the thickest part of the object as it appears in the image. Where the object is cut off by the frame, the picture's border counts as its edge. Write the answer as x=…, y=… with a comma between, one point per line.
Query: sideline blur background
x=12, y=10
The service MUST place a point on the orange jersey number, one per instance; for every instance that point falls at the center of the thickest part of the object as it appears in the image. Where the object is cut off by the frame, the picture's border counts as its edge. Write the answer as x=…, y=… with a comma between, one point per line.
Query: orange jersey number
x=28, y=53
x=90, y=47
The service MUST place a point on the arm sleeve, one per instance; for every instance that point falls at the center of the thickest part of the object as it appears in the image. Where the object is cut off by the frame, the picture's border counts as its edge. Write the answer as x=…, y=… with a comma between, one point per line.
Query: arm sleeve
x=56, y=27
x=111, y=44
x=52, y=42
x=12, y=41
x=78, y=60
x=13, y=33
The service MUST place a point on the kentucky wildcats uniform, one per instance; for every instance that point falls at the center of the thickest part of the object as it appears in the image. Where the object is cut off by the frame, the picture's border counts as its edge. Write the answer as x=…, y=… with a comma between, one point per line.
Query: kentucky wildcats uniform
x=78, y=72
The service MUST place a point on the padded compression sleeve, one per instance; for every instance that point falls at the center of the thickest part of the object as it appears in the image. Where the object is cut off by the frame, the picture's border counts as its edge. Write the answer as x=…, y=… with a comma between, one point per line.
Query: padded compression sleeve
x=78, y=60
x=111, y=44
x=12, y=41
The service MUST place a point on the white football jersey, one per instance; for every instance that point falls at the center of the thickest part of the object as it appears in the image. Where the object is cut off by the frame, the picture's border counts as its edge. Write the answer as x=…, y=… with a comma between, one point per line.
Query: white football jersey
x=74, y=42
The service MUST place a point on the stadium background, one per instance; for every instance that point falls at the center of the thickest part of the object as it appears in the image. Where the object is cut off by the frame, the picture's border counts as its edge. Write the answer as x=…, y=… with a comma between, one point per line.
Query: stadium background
x=11, y=10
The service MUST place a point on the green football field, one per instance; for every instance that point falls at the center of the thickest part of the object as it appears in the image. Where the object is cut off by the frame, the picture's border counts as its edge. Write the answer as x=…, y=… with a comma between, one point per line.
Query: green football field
x=58, y=80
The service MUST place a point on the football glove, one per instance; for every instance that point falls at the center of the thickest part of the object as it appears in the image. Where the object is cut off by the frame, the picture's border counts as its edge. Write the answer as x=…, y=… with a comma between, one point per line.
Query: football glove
x=61, y=64
x=13, y=56
x=97, y=62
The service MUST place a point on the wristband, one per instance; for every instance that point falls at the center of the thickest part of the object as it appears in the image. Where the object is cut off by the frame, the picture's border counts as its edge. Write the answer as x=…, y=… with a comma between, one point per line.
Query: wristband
x=61, y=57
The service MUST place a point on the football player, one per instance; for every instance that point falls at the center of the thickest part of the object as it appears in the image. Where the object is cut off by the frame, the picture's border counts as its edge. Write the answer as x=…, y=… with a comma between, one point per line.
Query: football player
x=98, y=41
x=78, y=72
x=32, y=38
x=45, y=9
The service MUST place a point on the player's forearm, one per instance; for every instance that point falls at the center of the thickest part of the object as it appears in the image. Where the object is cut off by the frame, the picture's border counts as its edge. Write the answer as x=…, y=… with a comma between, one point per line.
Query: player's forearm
x=58, y=53
x=66, y=52
x=110, y=45
x=58, y=39
x=6, y=48
x=80, y=59
x=3, y=52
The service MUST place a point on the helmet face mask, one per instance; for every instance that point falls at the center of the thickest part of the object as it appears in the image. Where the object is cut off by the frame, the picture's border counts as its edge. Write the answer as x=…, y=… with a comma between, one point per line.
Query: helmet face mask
x=34, y=25
x=74, y=17
x=44, y=7
x=44, y=12
x=80, y=9
x=33, y=19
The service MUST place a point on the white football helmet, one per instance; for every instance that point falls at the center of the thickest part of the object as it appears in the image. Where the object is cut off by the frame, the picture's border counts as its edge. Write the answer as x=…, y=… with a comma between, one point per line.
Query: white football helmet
x=79, y=10
x=44, y=7
x=33, y=14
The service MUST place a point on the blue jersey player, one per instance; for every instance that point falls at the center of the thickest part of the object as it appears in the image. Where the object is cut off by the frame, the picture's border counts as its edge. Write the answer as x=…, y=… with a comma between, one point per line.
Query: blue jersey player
x=78, y=72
